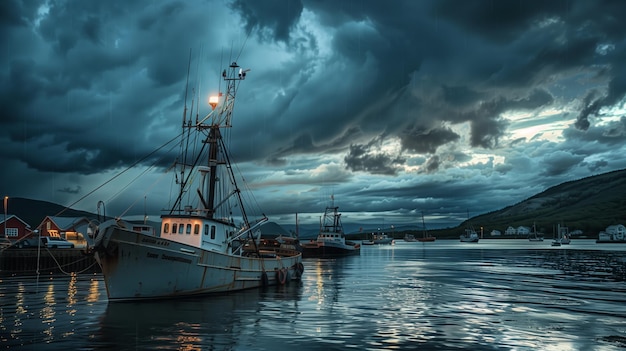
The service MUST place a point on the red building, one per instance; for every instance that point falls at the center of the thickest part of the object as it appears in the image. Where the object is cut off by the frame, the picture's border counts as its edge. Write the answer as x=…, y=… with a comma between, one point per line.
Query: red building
x=14, y=228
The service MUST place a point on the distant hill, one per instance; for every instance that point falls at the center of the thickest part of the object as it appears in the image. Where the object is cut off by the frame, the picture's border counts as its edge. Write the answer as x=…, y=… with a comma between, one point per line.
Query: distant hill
x=589, y=204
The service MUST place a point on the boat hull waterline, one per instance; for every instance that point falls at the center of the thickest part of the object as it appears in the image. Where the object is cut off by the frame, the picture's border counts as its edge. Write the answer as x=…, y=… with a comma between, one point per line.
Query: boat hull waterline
x=139, y=266
x=316, y=250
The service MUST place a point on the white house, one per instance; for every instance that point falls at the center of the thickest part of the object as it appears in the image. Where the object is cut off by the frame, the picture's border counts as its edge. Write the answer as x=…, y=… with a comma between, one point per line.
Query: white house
x=496, y=232
x=510, y=231
x=522, y=230
x=616, y=229
x=613, y=233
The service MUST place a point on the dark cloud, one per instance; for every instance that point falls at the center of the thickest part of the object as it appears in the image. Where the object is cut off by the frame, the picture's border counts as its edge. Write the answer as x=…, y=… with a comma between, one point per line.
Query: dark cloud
x=467, y=94
x=427, y=141
x=369, y=158
x=432, y=164
x=277, y=16
x=559, y=163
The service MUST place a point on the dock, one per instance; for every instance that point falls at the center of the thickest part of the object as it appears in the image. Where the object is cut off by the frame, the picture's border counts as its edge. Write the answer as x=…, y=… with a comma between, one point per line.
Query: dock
x=44, y=260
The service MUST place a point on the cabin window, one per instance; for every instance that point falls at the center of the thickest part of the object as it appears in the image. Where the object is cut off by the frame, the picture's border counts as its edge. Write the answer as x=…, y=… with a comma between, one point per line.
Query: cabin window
x=196, y=229
x=166, y=228
x=181, y=228
x=212, y=232
x=206, y=229
x=188, y=228
x=174, y=226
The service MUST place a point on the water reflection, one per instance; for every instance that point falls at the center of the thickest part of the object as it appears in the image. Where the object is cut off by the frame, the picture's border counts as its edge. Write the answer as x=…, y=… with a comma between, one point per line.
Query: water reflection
x=394, y=297
x=214, y=322
x=48, y=313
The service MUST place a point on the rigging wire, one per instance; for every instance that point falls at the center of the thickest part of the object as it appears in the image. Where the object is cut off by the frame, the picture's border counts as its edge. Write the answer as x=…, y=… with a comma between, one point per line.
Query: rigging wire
x=120, y=173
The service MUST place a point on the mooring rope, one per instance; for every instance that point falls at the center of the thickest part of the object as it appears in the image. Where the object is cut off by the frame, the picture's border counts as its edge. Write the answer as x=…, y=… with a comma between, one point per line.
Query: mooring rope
x=61, y=267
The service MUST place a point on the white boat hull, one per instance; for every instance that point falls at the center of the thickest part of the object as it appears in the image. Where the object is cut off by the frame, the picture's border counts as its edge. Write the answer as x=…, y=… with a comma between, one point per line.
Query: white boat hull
x=139, y=266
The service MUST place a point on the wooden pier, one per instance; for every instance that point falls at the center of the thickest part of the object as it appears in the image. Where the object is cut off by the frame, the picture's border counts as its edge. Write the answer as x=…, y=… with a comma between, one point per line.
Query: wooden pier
x=25, y=261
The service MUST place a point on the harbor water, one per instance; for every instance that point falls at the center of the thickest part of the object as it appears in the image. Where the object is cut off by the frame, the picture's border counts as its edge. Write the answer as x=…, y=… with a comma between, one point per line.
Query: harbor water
x=446, y=295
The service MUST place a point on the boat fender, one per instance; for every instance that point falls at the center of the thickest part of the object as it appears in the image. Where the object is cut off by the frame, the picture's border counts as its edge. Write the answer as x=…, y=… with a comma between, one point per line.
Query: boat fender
x=264, y=279
x=281, y=276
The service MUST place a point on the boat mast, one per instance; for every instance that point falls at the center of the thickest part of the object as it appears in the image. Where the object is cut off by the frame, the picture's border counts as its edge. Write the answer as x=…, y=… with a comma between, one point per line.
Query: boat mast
x=222, y=120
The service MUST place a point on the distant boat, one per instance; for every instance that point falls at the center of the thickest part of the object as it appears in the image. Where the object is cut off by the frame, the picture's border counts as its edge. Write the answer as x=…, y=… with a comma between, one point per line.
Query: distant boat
x=409, y=238
x=612, y=234
x=561, y=236
x=534, y=235
x=381, y=239
x=199, y=249
x=425, y=237
x=470, y=236
x=331, y=240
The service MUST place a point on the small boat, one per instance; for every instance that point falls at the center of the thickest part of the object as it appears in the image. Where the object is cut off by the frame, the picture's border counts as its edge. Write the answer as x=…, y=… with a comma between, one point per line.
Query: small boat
x=470, y=236
x=534, y=235
x=198, y=248
x=425, y=237
x=381, y=239
x=331, y=240
x=409, y=238
x=561, y=236
x=612, y=234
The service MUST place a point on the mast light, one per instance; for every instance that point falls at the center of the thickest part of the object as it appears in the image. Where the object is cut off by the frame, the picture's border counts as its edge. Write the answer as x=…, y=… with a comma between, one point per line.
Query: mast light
x=213, y=101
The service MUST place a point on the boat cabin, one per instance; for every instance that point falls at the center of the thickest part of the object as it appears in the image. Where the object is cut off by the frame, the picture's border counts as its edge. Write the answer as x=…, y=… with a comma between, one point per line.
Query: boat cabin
x=197, y=231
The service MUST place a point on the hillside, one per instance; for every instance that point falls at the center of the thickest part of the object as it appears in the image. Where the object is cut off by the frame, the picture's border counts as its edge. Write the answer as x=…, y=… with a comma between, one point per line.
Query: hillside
x=589, y=204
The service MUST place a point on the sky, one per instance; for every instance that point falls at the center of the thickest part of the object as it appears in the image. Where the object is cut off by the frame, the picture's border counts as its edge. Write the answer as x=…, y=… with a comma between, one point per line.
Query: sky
x=396, y=109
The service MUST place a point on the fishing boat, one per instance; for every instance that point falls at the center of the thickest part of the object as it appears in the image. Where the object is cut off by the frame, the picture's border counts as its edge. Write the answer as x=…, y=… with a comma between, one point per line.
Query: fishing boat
x=425, y=237
x=381, y=239
x=331, y=240
x=470, y=236
x=199, y=249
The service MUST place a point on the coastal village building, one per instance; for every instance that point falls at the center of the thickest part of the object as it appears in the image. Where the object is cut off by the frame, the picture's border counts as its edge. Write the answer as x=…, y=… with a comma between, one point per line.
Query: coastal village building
x=617, y=229
x=72, y=229
x=14, y=228
x=510, y=231
x=522, y=230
